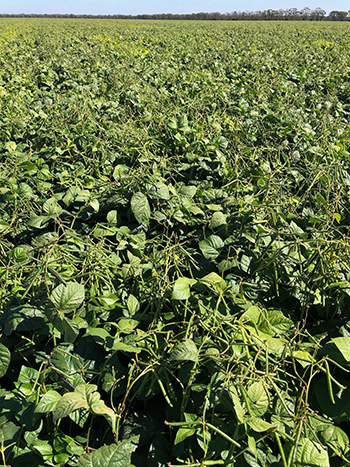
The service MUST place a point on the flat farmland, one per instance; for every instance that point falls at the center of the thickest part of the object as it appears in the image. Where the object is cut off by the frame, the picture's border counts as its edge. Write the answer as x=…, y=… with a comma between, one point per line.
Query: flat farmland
x=174, y=243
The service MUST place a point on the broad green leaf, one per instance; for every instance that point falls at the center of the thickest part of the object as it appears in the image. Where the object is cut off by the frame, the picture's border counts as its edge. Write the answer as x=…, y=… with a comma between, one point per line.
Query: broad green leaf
x=277, y=321
x=4, y=226
x=126, y=325
x=19, y=254
x=51, y=207
x=252, y=445
x=67, y=298
x=39, y=222
x=246, y=262
x=114, y=455
x=112, y=217
x=89, y=393
x=186, y=350
x=191, y=417
x=44, y=448
x=158, y=190
x=133, y=305
x=70, y=329
x=211, y=247
x=100, y=408
x=21, y=319
x=258, y=399
x=5, y=358
x=31, y=435
x=183, y=433
x=187, y=191
x=140, y=207
x=181, y=290
x=343, y=345
x=253, y=314
x=259, y=425
x=80, y=416
x=333, y=434
x=304, y=358
x=94, y=203
x=217, y=219
x=48, y=402
x=215, y=281
x=67, y=404
x=274, y=345
x=311, y=454
x=125, y=348
x=9, y=432
x=232, y=392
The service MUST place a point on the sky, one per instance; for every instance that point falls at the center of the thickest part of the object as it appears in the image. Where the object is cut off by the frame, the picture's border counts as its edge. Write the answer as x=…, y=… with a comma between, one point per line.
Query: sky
x=136, y=7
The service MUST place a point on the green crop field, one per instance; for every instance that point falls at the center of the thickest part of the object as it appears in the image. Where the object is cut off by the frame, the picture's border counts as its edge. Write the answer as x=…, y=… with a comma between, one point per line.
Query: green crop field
x=174, y=243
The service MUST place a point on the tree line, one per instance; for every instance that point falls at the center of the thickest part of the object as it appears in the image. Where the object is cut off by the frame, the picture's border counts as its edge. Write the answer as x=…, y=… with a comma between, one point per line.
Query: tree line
x=290, y=14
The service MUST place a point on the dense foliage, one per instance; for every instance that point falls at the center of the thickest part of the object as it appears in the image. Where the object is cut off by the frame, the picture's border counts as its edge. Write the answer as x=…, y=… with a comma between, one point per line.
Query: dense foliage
x=174, y=235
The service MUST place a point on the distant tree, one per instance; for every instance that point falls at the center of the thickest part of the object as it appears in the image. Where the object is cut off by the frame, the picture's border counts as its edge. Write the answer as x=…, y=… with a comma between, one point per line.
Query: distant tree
x=336, y=15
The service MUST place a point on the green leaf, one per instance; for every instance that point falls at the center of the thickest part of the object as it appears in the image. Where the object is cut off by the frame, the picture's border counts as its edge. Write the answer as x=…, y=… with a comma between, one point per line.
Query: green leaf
x=70, y=329
x=183, y=433
x=126, y=325
x=89, y=393
x=5, y=358
x=140, y=207
x=4, y=226
x=39, y=222
x=19, y=254
x=67, y=298
x=51, y=207
x=186, y=350
x=343, y=345
x=100, y=408
x=114, y=455
x=67, y=404
x=232, y=392
x=181, y=290
x=211, y=247
x=94, y=203
x=125, y=348
x=217, y=219
x=44, y=448
x=48, y=402
x=187, y=191
x=304, y=358
x=21, y=319
x=133, y=305
x=311, y=454
x=9, y=433
x=258, y=399
x=259, y=425
x=215, y=281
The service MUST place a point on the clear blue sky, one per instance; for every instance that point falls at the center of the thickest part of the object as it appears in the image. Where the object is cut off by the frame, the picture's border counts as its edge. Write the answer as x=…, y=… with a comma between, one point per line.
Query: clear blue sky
x=157, y=6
